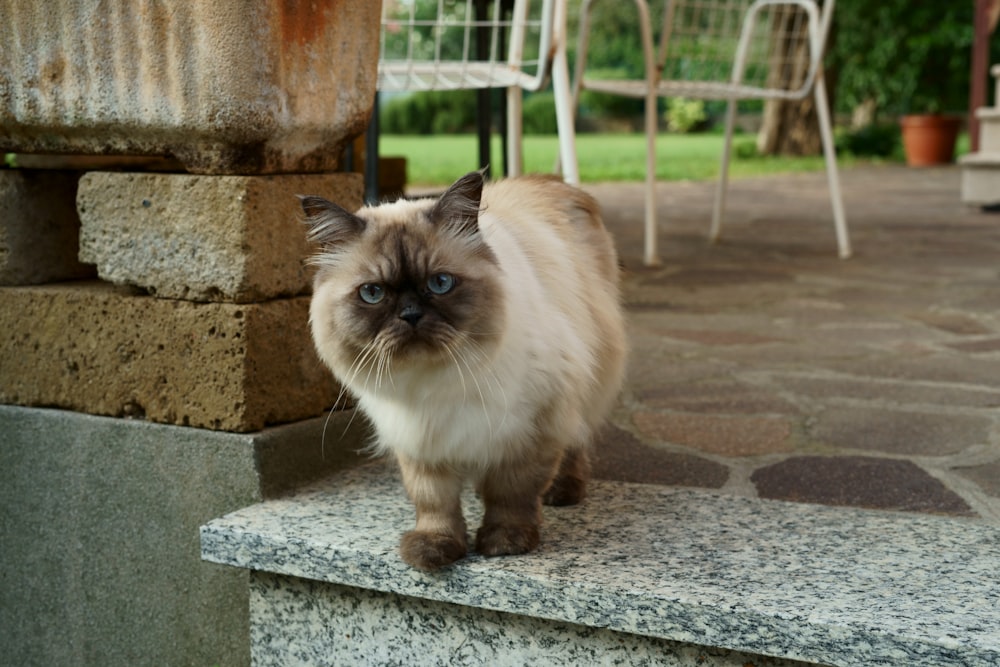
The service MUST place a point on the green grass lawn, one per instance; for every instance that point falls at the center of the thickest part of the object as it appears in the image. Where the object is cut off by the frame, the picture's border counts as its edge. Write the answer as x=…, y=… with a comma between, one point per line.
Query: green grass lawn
x=439, y=160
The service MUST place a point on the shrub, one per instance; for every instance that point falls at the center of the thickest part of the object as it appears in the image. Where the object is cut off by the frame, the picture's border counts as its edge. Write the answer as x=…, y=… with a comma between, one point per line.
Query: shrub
x=876, y=140
x=603, y=105
x=429, y=112
x=539, y=111
x=683, y=115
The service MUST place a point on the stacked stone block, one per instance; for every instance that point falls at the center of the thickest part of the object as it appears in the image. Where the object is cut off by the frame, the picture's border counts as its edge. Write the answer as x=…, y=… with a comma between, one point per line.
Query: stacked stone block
x=201, y=318
x=163, y=301
x=156, y=367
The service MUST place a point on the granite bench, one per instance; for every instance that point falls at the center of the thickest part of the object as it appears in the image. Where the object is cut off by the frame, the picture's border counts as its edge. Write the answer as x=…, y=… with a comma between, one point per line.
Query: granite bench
x=637, y=574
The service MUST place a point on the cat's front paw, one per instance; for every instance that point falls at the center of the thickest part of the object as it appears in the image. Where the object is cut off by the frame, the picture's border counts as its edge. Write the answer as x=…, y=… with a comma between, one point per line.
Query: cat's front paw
x=430, y=551
x=504, y=539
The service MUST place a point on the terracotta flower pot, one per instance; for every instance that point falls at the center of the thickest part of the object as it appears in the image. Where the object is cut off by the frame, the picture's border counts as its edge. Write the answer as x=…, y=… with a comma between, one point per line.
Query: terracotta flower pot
x=929, y=139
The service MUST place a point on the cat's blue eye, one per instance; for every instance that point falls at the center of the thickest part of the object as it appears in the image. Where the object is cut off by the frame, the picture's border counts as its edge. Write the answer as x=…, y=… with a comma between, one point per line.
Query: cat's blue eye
x=441, y=283
x=371, y=293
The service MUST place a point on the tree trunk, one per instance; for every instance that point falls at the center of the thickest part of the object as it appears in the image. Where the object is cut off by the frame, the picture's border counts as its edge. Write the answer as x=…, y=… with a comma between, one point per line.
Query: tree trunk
x=789, y=127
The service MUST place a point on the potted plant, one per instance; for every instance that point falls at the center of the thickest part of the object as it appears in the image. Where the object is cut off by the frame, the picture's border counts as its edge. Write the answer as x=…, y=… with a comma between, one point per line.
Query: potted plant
x=938, y=56
x=910, y=60
x=929, y=138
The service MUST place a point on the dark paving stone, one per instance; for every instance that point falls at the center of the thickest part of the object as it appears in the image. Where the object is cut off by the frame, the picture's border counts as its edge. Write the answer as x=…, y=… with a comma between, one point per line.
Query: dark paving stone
x=858, y=481
x=899, y=432
x=987, y=476
x=727, y=435
x=621, y=457
x=715, y=397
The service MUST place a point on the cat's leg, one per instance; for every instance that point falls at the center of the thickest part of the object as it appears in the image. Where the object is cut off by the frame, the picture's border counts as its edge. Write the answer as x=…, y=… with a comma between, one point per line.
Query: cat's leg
x=439, y=537
x=570, y=484
x=512, y=497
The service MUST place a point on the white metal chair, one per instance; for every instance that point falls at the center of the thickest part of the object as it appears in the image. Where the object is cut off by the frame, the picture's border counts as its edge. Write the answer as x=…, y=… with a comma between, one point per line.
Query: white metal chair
x=440, y=52
x=725, y=50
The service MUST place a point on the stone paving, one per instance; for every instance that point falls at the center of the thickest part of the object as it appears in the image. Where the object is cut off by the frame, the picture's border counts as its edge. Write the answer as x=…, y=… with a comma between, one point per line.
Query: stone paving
x=764, y=366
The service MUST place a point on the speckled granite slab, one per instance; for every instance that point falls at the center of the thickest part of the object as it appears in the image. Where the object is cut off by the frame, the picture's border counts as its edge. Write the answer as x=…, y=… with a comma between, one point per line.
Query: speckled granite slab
x=801, y=582
x=301, y=622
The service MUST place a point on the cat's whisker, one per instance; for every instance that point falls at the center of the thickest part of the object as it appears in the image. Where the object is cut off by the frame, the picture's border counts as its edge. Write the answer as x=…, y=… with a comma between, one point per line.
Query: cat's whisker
x=388, y=368
x=461, y=375
x=383, y=369
x=354, y=413
x=385, y=365
x=482, y=397
x=360, y=360
x=322, y=440
x=371, y=360
x=480, y=356
x=476, y=349
x=351, y=375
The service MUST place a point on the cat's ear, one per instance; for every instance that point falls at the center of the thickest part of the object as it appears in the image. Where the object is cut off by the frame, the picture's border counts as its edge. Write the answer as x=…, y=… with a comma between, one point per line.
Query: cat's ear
x=459, y=205
x=328, y=223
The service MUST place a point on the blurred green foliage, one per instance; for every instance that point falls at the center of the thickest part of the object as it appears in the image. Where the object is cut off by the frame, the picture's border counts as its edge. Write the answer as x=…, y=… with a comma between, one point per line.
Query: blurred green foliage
x=684, y=115
x=896, y=56
x=905, y=56
x=881, y=140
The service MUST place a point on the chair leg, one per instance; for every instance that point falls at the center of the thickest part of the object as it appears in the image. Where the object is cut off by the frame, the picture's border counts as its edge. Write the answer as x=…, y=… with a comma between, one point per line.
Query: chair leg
x=719, y=206
x=516, y=166
x=830, y=155
x=650, y=254
x=565, y=108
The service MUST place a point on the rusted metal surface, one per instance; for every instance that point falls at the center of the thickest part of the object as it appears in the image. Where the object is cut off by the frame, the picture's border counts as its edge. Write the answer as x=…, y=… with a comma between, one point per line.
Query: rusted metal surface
x=225, y=86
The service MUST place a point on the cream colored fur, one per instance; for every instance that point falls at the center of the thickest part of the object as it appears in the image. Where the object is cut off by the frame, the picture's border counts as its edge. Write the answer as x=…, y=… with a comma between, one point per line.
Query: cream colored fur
x=561, y=350
x=535, y=385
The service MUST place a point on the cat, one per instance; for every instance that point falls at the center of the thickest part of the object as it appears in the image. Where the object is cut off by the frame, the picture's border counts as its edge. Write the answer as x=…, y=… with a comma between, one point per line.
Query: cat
x=482, y=335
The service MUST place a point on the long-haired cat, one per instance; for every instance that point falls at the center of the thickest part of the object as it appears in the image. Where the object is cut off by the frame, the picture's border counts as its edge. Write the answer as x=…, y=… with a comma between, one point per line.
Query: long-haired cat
x=482, y=335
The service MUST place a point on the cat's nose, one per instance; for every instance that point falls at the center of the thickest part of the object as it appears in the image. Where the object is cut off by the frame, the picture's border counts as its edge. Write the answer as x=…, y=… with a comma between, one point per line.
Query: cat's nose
x=411, y=313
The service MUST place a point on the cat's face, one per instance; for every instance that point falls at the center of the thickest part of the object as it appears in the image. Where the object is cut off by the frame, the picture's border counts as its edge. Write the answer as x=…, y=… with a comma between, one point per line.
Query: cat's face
x=404, y=284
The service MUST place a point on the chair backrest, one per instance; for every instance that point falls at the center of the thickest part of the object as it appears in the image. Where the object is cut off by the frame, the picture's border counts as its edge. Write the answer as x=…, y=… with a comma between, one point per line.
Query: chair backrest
x=465, y=44
x=767, y=48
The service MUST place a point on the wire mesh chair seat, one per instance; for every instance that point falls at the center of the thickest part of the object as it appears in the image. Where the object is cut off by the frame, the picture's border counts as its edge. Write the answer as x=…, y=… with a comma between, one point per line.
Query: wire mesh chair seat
x=436, y=76
x=701, y=90
x=724, y=50
x=517, y=45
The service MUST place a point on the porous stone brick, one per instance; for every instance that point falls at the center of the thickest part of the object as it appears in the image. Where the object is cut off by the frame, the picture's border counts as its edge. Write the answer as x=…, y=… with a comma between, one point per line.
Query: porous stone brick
x=39, y=227
x=105, y=350
x=204, y=238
